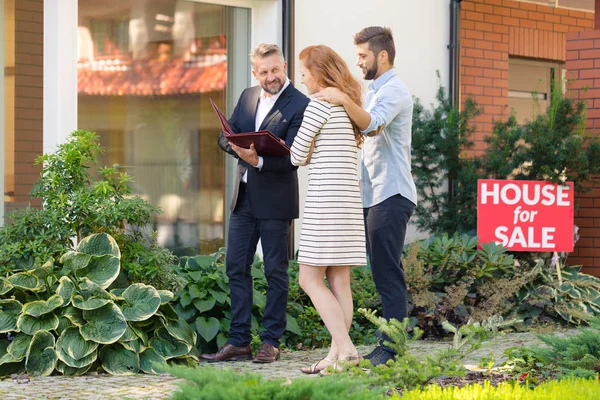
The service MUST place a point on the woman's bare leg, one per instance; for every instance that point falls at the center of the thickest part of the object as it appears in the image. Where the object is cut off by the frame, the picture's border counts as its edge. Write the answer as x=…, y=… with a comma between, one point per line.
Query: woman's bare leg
x=339, y=283
x=329, y=308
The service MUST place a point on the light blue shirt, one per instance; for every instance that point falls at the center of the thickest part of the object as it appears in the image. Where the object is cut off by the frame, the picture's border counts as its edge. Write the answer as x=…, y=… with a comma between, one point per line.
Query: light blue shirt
x=385, y=164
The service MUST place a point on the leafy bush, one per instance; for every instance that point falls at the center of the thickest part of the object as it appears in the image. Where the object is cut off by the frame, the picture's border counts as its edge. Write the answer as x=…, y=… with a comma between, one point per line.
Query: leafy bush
x=449, y=278
x=75, y=207
x=408, y=371
x=552, y=147
x=573, y=297
x=440, y=138
x=62, y=316
x=575, y=355
x=572, y=389
x=212, y=383
x=205, y=302
x=30, y=236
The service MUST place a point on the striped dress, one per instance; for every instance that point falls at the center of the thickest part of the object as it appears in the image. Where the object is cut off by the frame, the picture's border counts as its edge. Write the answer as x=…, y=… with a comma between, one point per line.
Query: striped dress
x=333, y=231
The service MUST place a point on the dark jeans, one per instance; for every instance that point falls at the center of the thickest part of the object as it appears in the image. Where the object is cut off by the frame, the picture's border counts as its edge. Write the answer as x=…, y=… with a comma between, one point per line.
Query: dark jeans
x=244, y=232
x=385, y=226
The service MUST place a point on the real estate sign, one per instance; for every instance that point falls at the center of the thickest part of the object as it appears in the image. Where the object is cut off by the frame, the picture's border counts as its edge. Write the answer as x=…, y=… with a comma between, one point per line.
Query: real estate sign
x=526, y=215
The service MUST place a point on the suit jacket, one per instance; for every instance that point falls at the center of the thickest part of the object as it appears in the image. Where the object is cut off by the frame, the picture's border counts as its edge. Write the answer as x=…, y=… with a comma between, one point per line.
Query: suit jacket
x=272, y=190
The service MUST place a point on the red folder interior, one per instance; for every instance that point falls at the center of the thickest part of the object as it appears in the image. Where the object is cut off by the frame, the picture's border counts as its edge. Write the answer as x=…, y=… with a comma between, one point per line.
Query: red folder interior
x=265, y=143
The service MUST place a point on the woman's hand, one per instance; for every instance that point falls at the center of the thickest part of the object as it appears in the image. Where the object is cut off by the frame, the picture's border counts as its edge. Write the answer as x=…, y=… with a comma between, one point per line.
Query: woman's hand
x=310, y=151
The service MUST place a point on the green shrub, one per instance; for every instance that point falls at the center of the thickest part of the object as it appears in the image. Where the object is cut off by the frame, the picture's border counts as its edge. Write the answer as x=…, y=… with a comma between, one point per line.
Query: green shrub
x=572, y=389
x=205, y=300
x=29, y=237
x=205, y=304
x=212, y=383
x=573, y=298
x=554, y=147
x=450, y=278
x=572, y=356
x=408, y=371
x=445, y=177
x=363, y=382
x=75, y=207
x=63, y=316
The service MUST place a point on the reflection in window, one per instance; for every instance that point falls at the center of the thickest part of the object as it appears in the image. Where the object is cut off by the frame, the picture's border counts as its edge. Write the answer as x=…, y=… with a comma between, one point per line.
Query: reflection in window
x=146, y=71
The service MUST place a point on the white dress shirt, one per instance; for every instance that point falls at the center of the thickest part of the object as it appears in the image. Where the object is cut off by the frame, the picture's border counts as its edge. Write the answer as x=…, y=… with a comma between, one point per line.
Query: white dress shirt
x=265, y=103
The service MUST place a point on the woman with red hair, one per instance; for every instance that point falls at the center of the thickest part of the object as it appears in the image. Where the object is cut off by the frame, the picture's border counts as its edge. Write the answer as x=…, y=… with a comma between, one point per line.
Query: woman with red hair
x=333, y=234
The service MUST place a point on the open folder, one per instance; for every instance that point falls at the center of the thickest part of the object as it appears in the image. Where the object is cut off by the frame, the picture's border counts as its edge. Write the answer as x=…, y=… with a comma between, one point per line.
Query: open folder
x=265, y=143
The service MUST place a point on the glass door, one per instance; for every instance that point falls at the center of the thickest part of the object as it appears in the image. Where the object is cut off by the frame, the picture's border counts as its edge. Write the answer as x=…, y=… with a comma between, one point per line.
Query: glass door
x=146, y=72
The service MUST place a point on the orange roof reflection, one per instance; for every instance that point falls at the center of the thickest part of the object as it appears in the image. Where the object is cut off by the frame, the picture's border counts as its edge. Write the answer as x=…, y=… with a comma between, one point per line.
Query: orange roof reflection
x=114, y=77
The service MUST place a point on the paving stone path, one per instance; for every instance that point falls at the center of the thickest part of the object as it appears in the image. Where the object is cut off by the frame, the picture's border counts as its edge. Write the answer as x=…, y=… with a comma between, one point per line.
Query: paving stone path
x=102, y=386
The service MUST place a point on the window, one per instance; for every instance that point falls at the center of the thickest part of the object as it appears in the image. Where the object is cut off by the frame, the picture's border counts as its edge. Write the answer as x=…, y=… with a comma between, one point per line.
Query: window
x=530, y=86
x=146, y=72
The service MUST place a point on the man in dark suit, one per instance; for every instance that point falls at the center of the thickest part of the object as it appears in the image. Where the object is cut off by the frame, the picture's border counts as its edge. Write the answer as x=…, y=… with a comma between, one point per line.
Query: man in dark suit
x=264, y=204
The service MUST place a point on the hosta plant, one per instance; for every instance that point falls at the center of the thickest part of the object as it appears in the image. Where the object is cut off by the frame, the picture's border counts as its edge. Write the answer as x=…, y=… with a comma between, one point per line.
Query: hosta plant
x=73, y=317
x=205, y=301
x=574, y=297
x=205, y=304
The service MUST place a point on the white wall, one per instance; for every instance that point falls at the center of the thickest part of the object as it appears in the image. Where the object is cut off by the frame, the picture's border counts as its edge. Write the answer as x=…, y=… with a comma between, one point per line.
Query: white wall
x=60, y=71
x=421, y=34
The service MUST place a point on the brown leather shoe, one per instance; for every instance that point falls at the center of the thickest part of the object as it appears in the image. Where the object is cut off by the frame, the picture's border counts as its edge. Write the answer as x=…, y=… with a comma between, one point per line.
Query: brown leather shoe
x=229, y=353
x=267, y=354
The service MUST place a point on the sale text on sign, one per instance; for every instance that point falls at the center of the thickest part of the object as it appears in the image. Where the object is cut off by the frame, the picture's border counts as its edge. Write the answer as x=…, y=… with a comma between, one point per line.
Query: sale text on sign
x=526, y=215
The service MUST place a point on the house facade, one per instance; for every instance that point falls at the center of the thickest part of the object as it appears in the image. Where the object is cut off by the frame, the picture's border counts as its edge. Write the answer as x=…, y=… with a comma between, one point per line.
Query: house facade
x=140, y=73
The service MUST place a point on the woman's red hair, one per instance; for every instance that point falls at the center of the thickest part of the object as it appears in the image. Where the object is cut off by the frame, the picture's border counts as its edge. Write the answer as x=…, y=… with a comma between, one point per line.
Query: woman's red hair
x=330, y=70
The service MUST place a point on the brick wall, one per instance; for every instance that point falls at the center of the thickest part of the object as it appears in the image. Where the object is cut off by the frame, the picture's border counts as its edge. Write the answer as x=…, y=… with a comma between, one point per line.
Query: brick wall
x=28, y=102
x=493, y=30
x=583, y=69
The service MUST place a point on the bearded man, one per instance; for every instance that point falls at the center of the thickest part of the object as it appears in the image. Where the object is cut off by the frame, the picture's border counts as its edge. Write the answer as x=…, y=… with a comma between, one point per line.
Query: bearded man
x=389, y=193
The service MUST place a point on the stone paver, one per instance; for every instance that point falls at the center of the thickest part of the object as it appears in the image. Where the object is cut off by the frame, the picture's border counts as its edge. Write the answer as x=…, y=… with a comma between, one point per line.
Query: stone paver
x=102, y=386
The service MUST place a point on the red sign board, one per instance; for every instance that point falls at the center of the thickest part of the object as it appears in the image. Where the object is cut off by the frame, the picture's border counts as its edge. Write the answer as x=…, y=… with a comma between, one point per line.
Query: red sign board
x=526, y=215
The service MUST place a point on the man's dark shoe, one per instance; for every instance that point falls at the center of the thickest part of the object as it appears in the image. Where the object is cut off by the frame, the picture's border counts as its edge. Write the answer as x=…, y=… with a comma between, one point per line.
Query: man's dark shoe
x=375, y=351
x=229, y=352
x=267, y=354
x=380, y=356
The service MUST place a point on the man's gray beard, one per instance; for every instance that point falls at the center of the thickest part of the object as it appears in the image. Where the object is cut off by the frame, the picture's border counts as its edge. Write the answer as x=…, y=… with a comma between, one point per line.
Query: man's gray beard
x=371, y=72
x=273, y=91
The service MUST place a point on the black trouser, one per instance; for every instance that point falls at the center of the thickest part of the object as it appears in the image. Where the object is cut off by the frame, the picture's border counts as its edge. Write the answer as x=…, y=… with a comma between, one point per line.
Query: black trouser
x=244, y=232
x=385, y=226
